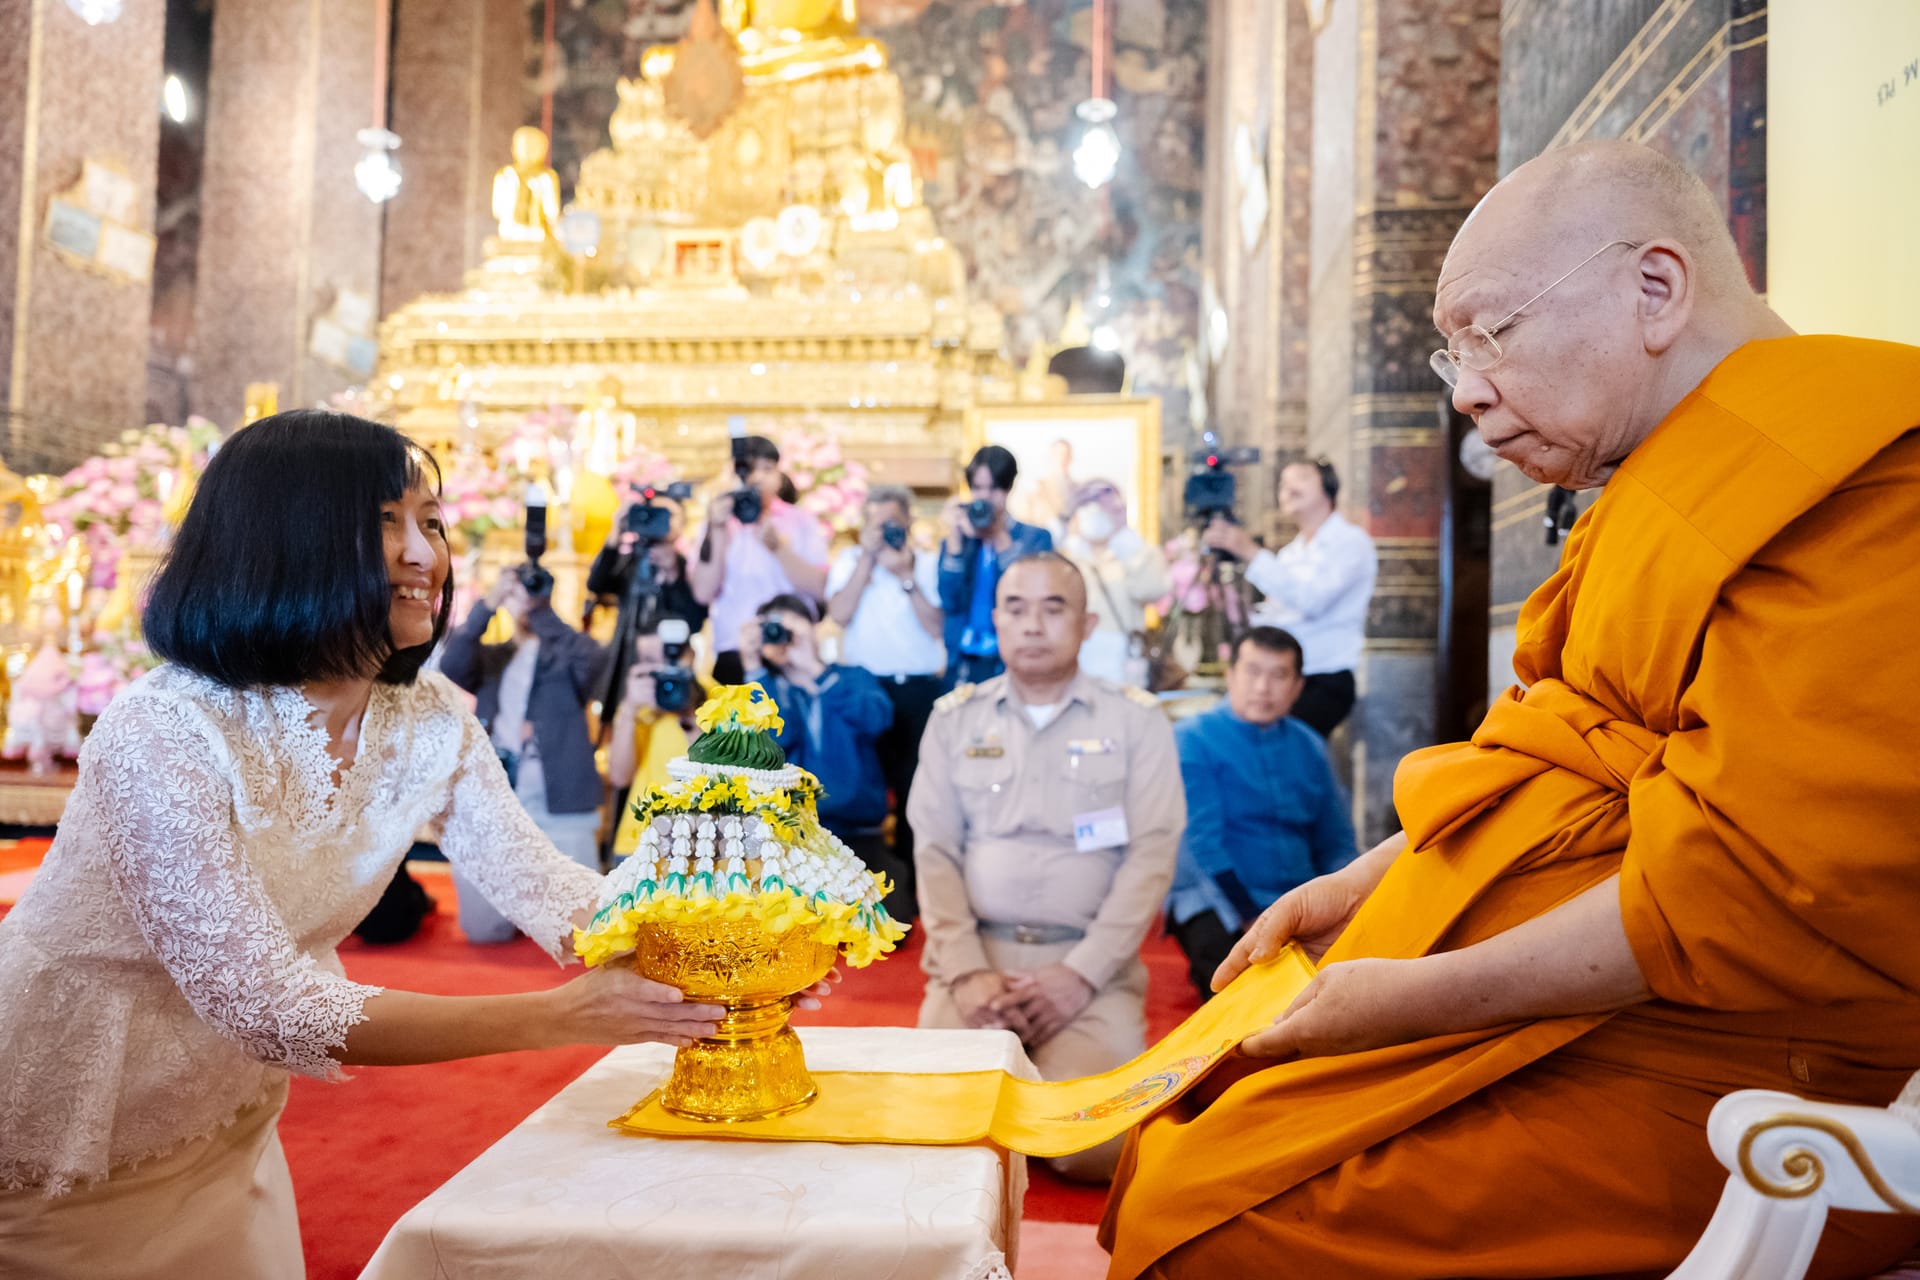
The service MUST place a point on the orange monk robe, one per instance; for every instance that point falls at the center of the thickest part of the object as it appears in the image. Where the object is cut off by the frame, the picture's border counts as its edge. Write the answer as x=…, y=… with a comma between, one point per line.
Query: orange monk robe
x=1720, y=700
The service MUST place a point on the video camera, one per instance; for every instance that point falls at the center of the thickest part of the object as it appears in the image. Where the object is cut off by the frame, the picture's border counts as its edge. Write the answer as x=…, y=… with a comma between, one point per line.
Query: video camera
x=534, y=580
x=1212, y=490
x=673, y=683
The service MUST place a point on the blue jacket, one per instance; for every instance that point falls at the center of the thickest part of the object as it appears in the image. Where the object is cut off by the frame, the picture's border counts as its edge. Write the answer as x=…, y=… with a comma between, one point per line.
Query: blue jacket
x=957, y=573
x=1263, y=808
x=832, y=734
x=568, y=673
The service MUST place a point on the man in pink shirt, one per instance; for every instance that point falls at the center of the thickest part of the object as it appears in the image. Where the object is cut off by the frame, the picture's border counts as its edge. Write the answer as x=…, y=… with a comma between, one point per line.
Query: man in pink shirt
x=743, y=564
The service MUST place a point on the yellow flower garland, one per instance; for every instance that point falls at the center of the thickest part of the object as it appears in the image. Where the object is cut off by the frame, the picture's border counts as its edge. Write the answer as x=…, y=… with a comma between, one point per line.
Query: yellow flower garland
x=861, y=936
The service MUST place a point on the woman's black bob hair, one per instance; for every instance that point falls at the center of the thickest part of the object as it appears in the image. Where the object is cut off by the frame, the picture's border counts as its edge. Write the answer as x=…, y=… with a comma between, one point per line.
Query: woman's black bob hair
x=278, y=575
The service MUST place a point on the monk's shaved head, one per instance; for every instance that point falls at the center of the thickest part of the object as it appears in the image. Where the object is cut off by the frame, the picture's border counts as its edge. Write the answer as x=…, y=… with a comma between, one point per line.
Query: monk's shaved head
x=1598, y=191
x=1583, y=297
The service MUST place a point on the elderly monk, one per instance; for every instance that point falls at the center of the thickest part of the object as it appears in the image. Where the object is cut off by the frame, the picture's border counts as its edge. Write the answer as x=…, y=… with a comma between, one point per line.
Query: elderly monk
x=1678, y=859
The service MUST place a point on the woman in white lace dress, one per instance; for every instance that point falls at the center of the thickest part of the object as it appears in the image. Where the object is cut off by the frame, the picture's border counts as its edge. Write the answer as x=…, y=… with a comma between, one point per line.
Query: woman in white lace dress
x=238, y=811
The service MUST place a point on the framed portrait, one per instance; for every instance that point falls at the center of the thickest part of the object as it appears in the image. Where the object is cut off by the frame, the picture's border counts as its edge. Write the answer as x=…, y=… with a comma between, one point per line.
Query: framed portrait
x=1062, y=444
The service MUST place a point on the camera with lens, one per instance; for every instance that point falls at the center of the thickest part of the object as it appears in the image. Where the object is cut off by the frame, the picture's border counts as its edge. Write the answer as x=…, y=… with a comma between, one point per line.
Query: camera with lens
x=774, y=631
x=894, y=534
x=536, y=581
x=980, y=514
x=748, y=504
x=673, y=683
x=1212, y=489
x=646, y=519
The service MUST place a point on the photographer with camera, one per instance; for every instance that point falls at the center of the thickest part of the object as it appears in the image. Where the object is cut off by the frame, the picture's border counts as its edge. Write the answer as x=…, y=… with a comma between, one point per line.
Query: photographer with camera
x=884, y=594
x=753, y=547
x=654, y=722
x=1316, y=587
x=834, y=716
x=647, y=522
x=982, y=540
x=532, y=694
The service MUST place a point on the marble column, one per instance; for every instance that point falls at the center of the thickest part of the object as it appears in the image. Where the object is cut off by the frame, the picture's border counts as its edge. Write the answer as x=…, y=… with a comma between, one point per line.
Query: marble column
x=1690, y=80
x=1256, y=225
x=73, y=338
x=286, y=237
x=457, y=68
x=1404, y=142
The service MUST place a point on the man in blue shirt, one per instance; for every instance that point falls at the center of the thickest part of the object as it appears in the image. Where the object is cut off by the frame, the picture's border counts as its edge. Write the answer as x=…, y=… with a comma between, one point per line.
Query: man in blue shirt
x=834, y=717
x=1264, y=812
x=982, y=540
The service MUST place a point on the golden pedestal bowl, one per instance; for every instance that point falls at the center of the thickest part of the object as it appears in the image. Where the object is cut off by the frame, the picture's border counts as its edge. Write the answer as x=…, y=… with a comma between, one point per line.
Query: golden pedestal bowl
x=752, y=1067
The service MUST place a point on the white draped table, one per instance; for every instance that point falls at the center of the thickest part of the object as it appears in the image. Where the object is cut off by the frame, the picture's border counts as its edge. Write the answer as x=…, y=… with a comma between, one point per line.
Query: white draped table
x=563, y=1195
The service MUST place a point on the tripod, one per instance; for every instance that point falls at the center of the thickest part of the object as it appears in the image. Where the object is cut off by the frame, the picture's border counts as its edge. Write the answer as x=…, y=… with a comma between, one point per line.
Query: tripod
x=639, y=615
x=1206, y=633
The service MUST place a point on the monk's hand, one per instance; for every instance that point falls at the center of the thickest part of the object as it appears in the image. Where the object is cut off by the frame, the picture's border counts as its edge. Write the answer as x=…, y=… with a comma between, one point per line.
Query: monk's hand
x=1048, y=997
x=976, y=994
x=1352, y=1006
x=1313, y=914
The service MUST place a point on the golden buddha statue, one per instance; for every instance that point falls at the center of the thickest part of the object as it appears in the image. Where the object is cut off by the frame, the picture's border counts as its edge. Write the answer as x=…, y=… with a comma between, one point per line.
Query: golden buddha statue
x=526, y=193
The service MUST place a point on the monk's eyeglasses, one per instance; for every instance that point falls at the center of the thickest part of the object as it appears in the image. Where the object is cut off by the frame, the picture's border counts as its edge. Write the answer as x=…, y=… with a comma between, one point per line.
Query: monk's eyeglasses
x=1475, y=346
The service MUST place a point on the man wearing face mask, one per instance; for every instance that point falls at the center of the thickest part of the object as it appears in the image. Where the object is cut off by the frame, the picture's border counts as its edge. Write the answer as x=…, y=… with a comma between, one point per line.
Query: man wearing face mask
x=1124, y=572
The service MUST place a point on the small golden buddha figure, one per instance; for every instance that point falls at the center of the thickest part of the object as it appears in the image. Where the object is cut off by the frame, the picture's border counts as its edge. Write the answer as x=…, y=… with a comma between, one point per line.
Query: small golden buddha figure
x=526, y=193
x=797, y=39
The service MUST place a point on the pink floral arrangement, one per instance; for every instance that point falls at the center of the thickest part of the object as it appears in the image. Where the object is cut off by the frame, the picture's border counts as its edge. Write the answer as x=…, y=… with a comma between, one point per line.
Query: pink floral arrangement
x=832, y=487
x=478, y=496
x=104, y=671
x=119, y=496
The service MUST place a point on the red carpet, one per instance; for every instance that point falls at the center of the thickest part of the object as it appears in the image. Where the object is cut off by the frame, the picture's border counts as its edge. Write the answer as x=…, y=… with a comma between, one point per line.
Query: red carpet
x=365, y=1152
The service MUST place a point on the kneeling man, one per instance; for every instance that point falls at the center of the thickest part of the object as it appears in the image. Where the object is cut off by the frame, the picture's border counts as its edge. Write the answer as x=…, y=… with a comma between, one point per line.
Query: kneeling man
x=1045, y=815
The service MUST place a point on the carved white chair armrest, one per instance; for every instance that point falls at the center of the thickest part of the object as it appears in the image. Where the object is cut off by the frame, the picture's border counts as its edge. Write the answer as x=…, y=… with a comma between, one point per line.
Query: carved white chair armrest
x=1790, y=1162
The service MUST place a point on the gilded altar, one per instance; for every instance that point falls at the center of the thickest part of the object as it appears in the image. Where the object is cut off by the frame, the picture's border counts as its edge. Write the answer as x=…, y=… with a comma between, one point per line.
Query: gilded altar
x=752, y=246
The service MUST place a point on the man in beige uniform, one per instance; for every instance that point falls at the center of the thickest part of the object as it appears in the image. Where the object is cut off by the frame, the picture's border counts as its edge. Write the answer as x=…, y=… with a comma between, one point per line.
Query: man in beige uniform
x=1046, y=816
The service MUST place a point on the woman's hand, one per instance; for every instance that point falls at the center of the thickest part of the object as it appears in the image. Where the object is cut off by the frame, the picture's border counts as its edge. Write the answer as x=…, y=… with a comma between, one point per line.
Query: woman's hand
x=614, y=1005
x=813, y=995
x=1357, y=1005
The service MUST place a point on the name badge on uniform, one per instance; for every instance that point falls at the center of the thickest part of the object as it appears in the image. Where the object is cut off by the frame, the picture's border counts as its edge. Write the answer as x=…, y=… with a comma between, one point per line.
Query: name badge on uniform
x=985, y=751
x=1100, y=829
x=1092, y=747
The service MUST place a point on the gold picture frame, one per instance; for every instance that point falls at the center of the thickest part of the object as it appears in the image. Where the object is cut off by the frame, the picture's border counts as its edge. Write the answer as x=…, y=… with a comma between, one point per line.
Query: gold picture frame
x=1107, y=435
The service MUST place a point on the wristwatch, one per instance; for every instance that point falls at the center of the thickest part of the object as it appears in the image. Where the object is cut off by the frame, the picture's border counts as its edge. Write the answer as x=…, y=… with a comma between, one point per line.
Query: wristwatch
x=909, y=586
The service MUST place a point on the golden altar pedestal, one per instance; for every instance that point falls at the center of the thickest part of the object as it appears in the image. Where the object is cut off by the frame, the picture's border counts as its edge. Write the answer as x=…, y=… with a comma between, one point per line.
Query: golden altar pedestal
x=768, y=259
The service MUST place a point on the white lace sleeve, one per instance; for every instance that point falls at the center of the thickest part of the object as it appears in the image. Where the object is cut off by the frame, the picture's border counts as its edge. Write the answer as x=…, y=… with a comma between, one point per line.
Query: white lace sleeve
x=167, y=809
x=485, y=832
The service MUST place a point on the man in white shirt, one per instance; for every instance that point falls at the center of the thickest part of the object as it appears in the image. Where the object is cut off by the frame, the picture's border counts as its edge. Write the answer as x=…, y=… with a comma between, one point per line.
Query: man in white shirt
x=885, y=596
x=1316, y=587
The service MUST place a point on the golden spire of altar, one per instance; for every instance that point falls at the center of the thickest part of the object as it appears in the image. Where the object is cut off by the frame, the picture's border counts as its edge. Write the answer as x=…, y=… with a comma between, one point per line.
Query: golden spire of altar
x=785, y=40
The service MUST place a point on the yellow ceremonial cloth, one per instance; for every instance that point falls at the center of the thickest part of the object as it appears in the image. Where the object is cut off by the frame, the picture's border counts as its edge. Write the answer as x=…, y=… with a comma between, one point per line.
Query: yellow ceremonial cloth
x=1053, y=1118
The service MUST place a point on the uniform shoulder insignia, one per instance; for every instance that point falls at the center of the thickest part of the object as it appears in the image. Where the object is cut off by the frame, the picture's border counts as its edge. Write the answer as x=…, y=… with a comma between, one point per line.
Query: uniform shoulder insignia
x=1140, y=698
x=957, y=697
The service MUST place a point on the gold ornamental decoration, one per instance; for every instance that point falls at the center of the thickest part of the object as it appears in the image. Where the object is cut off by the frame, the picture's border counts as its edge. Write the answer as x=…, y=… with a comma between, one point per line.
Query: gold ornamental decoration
x=706, y=83
x=738, y=896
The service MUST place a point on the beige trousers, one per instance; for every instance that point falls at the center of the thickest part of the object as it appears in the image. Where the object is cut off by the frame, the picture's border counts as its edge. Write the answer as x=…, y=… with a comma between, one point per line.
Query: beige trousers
x=1110, y=1031
x=219, y=1208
